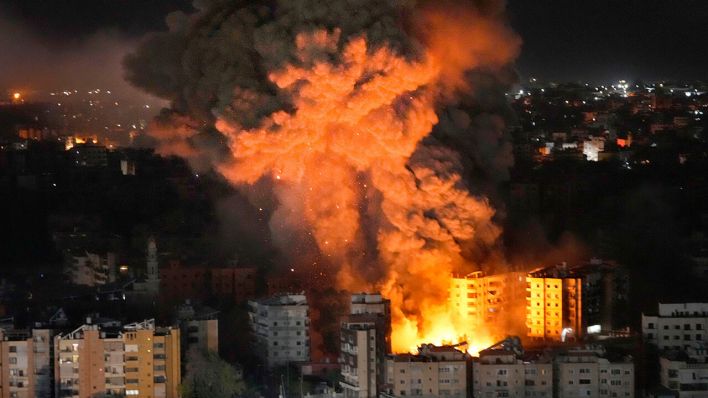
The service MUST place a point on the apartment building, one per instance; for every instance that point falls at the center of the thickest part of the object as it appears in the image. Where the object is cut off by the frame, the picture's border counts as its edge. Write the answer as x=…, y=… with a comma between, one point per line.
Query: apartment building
x=25, y=363
x=585, y=373
x=504, y=371
x=281, y=329
x=435, y=371
x=679, y=326
x=554, y=304
x=686, y=376
x=480, y=298
x=365, y=340
x=90, y=269
x=138, y=359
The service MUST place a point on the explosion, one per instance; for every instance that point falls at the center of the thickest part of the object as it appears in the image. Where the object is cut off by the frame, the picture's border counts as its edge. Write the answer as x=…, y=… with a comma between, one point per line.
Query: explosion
x=341, y=126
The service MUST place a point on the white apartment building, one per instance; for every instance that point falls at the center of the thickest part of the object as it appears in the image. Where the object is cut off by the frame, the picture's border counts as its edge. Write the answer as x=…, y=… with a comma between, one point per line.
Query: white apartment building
x=677, y=326
x=502, y=372
x=684, y=375
x=281, y=328
x=365, y=341
x=433, y=372
x=581, y=373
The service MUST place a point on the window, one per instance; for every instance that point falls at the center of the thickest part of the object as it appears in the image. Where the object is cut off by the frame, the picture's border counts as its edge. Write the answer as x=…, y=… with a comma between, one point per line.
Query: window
x=584, y=381
x=13, y=348
x=131, y=392
x=687, y=326
x=650, y=325
x=502, y=372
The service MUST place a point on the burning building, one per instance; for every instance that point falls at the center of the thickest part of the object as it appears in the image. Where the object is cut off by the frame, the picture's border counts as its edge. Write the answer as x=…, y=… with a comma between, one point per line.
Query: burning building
x=367, y=132
x=487, y=304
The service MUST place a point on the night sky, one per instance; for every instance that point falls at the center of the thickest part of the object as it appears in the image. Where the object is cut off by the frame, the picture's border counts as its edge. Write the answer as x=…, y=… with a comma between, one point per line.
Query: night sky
x=598, y=40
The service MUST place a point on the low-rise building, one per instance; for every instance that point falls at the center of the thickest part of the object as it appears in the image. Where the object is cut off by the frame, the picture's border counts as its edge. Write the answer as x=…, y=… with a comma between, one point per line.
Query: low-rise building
x=433, y=372
x=584, y=373
x=504, y=371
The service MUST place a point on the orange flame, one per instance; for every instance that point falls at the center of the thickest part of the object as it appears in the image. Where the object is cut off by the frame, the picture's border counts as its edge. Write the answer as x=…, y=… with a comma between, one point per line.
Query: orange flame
x=351, y=146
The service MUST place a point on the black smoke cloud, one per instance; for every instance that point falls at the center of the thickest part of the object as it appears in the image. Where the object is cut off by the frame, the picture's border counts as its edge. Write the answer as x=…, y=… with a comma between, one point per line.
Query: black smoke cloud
x=215, y=63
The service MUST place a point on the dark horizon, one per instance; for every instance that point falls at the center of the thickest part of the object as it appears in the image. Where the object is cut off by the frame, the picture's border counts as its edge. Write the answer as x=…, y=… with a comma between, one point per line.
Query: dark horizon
x=600, y=41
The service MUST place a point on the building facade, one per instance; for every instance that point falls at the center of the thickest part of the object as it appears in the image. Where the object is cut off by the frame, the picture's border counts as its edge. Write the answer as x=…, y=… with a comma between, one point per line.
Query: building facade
x=136, y=360
x=433, y=372
x=554, y=305
x=504, y=372
x=677, y=326
x=25, y=363
x=684, y=375
x=365, y=338
x=586, y=374
x=90, y=269
x=179, y=283
x=281, y=329
x=480, y=299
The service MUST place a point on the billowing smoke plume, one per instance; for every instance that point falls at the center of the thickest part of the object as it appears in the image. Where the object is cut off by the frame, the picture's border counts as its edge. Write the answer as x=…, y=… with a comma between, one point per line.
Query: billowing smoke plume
x=356, y=111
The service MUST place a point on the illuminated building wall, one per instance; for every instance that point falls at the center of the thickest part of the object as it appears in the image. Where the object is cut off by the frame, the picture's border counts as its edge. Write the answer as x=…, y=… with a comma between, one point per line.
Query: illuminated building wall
x=481, y=299
x=554, y=306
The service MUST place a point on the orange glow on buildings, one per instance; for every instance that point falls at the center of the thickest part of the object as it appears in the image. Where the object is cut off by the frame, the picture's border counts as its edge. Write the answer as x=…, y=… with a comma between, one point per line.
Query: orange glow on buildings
x=554, y=306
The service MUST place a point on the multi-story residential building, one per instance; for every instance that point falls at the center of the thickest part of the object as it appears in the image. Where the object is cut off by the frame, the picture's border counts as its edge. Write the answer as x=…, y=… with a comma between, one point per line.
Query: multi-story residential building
x=584, y=373
x=281, y=329
x=684, y=375
x=554, y=304
x=25, y=363
x=90, y=269
x=433, y=372
x=677, y=326
x=504, y=371
x=480, y=298
x=365, y=341
x=137, y=360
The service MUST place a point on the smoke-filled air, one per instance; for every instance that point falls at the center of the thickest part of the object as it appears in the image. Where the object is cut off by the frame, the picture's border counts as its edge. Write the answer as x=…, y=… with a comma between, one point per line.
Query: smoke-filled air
x=366, y=121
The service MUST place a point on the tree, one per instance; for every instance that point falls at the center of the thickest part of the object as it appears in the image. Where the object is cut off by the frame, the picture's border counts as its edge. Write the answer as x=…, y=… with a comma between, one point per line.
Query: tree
x=208, y=376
